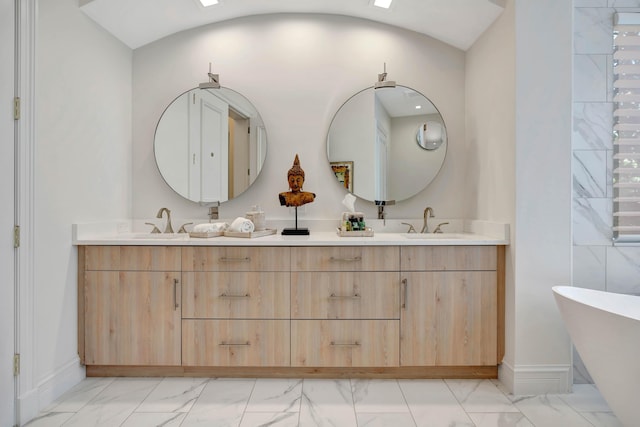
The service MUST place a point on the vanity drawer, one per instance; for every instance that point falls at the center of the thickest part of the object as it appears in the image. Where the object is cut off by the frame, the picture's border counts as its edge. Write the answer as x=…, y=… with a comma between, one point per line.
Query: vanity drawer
x=345, y=295
x=235, y=342
x=344, y=343
x=239, y=295
x=132, y=258
x=346, y=258
x=235, y=258
x=434, y=258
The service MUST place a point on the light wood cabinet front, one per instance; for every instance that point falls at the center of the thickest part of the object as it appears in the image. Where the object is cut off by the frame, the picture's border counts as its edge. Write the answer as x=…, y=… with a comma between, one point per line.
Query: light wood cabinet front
x=449, y=319
x=351, y=343
x=346, y=258
x=132, y=318
x=448, y=258
x=235, y=258
x=132, y=258
x=345, y=295
x=235, y=342
x=236, y=295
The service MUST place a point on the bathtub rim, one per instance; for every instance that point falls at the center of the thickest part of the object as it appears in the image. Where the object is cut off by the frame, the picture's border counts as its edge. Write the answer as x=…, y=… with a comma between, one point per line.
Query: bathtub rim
x=624, y=305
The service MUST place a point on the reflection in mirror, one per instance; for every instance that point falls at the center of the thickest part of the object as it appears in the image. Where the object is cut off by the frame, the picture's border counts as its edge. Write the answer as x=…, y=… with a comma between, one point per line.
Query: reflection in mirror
x=210, y=145
x=374, y=132
x=430, y=135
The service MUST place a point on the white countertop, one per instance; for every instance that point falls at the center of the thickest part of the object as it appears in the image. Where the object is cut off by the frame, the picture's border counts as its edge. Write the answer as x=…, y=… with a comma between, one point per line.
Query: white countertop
x=119, y=233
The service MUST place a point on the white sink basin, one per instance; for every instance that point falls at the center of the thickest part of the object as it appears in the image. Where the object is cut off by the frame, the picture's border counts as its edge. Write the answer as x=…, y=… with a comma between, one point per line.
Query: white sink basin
x=160, y=236
x=434, y=236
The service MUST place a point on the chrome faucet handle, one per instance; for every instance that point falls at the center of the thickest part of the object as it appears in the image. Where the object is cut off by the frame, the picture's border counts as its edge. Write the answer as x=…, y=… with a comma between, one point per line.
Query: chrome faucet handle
x=438, y=229
x=182, y=229
x=155, y=230
x=411, y=229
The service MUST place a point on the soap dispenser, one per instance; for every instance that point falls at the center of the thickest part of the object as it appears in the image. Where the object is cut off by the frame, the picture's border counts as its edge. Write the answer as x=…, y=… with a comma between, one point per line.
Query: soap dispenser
x=256, y=215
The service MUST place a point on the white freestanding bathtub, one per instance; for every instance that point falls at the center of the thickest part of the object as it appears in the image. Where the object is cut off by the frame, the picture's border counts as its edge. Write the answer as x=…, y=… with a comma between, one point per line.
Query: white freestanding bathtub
x=605, y=329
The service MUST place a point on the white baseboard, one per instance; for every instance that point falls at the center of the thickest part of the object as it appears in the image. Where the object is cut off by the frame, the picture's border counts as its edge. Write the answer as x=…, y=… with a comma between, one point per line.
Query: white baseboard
x=32, y=402
x=536, y=379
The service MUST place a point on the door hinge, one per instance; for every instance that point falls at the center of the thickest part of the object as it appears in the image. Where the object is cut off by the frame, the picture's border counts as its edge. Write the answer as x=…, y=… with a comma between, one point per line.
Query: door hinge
x=16, y=108
x=16, y=236
x=249, y=130
x=16, y=365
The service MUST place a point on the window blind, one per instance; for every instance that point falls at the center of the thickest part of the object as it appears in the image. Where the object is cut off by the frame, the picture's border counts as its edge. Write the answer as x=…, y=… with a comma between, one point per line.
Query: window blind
x=626, y=143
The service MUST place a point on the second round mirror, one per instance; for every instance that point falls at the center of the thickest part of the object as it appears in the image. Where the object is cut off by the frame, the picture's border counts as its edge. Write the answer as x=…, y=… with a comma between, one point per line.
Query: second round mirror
x=372, y=147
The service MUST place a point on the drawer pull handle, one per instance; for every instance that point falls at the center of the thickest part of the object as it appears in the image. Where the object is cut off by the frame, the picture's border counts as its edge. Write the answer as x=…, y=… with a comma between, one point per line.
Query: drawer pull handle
x=175, y=294
x=405, y=289
x=354, y=259
x=236, y=344
x=226, y=295
x=354, y=296
x=345, y=344
x=225, y=259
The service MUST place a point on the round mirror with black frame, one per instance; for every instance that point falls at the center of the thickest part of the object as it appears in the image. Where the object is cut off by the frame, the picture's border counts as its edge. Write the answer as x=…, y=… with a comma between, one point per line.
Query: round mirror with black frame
x=371, y=144
x=210, y=145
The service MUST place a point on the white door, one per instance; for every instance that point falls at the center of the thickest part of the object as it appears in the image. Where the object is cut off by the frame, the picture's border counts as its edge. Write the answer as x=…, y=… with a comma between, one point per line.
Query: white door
x=7, y=205
x=209, y=146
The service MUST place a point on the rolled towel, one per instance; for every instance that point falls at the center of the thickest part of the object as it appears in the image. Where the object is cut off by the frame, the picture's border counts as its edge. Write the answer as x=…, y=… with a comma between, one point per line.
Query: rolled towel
x=242, y=225
x=209, y=227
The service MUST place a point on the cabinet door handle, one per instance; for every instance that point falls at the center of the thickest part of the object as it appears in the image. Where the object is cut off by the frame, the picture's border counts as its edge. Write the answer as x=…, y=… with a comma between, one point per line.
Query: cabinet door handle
x=225, y=259
x=354, y=259
x=345, y=344
x=405, y=290
x=229, y=344
x=175, y=294
x=226, y=295
x=335, y=297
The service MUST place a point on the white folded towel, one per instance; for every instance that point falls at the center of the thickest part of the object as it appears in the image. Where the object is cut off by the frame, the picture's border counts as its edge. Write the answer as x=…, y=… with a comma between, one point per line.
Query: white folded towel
x=209, y=227
x=242, y=225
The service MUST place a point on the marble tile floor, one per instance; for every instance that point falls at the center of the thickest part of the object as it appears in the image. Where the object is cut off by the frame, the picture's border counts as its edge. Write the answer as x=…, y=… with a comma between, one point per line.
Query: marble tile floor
x=173, y=402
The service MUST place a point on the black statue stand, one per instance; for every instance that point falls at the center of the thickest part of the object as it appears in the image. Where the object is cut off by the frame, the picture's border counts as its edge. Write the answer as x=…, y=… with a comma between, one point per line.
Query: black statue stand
x=295, y=231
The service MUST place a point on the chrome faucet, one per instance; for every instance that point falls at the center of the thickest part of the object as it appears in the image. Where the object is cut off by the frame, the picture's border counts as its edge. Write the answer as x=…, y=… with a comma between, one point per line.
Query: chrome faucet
x=168, y=228
x=428, y=213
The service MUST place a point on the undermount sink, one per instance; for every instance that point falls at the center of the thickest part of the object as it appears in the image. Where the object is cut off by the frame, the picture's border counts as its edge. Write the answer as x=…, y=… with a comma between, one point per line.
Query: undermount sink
x=434, y=236
x=160, y=236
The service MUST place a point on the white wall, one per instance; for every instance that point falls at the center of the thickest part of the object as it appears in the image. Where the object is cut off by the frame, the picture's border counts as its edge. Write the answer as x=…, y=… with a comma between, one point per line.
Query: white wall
x=82, y=173
x=297, y=70
x=521, y=158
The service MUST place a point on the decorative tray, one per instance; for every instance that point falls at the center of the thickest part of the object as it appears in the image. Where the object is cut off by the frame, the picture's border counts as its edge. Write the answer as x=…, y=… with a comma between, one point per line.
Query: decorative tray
x=206, y=234
x=360, y=233
x=251, y=234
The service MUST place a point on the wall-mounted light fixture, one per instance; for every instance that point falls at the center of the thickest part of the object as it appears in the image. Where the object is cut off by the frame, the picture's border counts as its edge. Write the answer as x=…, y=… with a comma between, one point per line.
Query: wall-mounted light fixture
x=214, y=80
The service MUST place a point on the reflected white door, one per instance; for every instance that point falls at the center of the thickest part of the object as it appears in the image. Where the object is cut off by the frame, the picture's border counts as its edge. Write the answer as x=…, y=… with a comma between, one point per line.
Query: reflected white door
x=208, y=180
x=7, y=205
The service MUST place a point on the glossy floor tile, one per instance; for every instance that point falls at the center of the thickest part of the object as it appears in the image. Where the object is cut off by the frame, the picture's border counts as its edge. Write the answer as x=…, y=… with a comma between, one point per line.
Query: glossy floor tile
x=183, y=402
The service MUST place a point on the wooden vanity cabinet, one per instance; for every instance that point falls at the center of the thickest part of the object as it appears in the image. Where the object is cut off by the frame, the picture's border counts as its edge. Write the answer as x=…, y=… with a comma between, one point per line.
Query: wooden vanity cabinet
x=450, y=312
x=131, y=299
x=325, y=311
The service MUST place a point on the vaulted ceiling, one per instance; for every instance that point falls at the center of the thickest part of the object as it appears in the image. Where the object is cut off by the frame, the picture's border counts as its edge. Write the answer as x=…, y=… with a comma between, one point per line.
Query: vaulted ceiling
x=139, y=22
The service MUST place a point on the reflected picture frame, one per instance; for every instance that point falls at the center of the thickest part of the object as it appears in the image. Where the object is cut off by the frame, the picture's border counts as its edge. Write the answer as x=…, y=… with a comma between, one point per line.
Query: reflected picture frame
x=344, y=173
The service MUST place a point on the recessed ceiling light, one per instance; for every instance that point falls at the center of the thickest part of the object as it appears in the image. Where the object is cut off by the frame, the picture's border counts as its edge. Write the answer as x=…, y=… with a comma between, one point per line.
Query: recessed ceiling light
x=382, y=3
x=418, y=107
x=206, y=3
